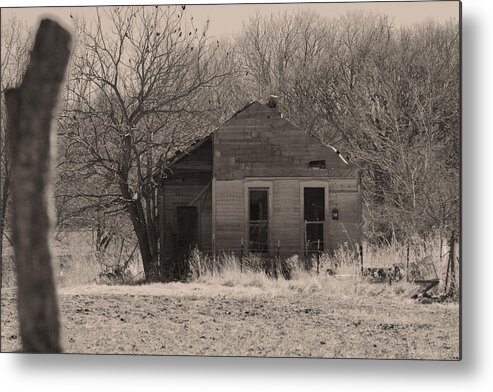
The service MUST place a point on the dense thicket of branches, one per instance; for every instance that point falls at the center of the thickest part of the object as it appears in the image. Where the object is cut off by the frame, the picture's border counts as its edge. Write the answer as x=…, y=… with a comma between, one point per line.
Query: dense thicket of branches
x=387, y=97
x=145, y=82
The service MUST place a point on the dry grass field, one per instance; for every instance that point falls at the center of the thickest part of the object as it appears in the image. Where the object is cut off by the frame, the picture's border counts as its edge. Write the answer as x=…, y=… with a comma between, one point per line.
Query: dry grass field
x=228, y=312
x=315, y=318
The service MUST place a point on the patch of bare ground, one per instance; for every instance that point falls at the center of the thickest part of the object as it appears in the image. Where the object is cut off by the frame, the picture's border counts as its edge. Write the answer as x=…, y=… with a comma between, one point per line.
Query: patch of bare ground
x=215, y=319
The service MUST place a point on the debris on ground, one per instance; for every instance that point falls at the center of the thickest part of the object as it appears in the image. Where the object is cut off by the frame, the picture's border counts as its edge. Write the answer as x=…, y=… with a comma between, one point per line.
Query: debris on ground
x=395, y=273
x=430, y=298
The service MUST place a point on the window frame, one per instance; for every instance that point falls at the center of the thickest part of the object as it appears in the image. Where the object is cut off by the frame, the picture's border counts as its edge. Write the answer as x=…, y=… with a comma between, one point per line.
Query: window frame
x=258, y=185
x=314, y=184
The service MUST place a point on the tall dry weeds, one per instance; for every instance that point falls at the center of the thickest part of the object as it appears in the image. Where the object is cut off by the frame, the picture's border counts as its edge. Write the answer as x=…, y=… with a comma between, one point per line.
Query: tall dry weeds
x=339, y=271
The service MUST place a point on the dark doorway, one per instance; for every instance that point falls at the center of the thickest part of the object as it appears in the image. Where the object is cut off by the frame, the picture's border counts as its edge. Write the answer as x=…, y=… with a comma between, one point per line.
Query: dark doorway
x=314, y=216
x=258, y=229
x=187, y=236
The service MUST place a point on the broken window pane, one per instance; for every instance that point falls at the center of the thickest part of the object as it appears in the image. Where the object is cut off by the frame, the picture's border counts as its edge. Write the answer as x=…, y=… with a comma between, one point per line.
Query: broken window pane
x=258, y=204
x=314, y=200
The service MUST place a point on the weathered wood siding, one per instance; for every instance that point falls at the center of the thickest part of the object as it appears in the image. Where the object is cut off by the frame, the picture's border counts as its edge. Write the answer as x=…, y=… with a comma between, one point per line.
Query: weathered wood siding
x=344, y=194
x=229, y=211
x=188, y=184
x=258, y=148
x=258, y=142
x=195, y=163
x=183, y=193
x=286, y=218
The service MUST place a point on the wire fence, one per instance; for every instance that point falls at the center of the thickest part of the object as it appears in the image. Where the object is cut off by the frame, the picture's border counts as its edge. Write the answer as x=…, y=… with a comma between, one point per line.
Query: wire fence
x=415, y=262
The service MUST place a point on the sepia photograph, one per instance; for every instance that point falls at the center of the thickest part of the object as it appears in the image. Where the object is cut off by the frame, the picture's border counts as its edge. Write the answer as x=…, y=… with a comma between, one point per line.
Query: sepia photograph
x=232, y=180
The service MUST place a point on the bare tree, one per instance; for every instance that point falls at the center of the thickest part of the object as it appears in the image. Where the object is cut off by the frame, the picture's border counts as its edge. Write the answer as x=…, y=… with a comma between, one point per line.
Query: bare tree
x=396, y=111
x=272, y=50
x=140, y=90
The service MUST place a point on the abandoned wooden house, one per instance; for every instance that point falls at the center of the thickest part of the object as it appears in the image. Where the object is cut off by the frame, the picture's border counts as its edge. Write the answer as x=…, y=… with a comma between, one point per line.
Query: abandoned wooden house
x=259, y=181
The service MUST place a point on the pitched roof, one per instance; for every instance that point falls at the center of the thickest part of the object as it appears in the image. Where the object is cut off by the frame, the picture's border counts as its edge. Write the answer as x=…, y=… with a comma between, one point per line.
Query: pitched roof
x=200, y=142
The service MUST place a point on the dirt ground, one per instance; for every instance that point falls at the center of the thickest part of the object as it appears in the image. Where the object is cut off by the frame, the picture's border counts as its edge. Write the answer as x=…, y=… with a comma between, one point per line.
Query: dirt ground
x=195, y=319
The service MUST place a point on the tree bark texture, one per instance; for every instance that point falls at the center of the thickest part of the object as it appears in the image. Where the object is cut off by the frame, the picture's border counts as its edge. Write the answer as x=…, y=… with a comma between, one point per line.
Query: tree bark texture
x=30, y=109
x=135, y=208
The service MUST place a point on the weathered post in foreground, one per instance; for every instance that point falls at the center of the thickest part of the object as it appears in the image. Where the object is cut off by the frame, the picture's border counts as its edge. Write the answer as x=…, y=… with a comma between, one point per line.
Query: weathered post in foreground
x=30, y=109
x=241, y=255
x=361, y=258
x=407, y=262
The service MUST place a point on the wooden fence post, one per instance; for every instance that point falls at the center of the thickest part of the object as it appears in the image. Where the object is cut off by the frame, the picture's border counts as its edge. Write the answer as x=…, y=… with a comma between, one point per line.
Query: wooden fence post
x=214, y=248
x=241, y=255
x=407, y=263
x=279, y=266
x=30, y=109
x=361, y=258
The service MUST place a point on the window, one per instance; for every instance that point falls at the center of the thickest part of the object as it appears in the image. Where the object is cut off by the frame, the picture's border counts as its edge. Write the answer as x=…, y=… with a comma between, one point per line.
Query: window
x=317, y=164
x=258, y=228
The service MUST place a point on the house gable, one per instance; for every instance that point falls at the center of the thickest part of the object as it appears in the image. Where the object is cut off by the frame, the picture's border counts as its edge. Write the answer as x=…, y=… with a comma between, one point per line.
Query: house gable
x=258, y=142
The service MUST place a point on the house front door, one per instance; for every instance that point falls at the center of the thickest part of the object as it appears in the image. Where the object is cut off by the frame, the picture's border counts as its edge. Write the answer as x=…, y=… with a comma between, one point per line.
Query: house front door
x=187, y=235
x=258, y=225
x=314, y=217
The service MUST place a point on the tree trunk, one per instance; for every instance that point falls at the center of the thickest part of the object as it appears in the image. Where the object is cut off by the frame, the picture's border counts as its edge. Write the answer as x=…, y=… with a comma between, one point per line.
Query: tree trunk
x=151, y=195
x=136, y=211
x=139, y=224
x=30, y=109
